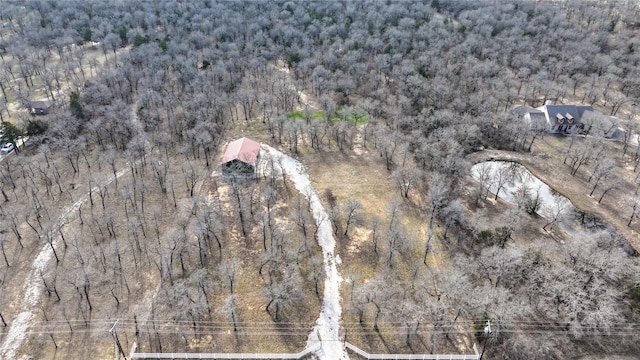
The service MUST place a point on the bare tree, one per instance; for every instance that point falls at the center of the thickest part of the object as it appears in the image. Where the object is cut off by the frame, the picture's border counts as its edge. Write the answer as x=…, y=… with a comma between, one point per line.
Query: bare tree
x=352, y=209
x=437, y=195
x=502, y=175
x=230, y=310
x=555, y=212
x=317, y=274
x=528, y=199
x=192, y=174
x=483, y=176
x=229, y=269
x=452, y=214
x=601, y=170
x=406, y=177
x=283, y=293
x=375, y=223
x=609, y=184
x=633, y=203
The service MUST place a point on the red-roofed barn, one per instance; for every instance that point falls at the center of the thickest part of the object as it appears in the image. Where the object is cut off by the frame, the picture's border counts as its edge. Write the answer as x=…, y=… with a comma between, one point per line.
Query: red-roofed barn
x=240, y=157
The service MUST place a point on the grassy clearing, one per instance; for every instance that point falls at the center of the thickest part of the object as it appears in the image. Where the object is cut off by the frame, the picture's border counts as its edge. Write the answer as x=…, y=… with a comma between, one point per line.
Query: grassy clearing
x=300, y=115
x=354, y=117
x=296, y=115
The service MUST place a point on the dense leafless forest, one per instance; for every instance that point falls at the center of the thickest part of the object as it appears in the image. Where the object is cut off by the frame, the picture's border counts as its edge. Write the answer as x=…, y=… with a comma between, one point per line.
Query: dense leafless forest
x=113, y=207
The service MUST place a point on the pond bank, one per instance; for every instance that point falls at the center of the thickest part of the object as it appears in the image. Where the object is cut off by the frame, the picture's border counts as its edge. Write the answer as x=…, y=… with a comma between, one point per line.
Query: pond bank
x=556, y=176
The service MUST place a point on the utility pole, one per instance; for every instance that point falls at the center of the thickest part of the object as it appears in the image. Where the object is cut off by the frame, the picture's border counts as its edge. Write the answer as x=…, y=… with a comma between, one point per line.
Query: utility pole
x=487, y=332
x=116, y=342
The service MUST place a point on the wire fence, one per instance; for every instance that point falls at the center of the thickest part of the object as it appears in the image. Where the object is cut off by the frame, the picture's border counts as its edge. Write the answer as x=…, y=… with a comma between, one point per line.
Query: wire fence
x=164, y=326
x=368, y=356
x=164, y=329
x=300, y=355
x=134, y=355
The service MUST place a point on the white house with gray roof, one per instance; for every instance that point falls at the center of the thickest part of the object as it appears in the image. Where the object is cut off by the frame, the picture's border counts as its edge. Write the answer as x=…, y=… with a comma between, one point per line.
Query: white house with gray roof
x=557, y=119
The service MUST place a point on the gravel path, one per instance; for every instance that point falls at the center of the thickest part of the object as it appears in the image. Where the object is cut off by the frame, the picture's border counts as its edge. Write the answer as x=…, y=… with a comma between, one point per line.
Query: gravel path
x=326, y=331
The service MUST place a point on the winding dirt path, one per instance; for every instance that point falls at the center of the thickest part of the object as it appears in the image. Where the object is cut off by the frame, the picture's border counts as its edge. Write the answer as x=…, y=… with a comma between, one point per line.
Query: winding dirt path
x=326, y=333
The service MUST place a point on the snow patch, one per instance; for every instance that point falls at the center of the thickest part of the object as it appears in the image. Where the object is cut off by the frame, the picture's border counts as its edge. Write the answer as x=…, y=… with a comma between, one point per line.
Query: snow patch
x=15, y=336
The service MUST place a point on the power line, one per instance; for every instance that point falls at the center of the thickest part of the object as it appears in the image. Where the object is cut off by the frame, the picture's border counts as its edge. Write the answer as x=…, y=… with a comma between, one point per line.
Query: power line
x=278, y=324
x=267, y=329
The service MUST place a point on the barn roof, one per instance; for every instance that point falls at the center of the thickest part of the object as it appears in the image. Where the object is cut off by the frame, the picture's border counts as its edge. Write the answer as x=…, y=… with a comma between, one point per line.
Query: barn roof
x=243, y=149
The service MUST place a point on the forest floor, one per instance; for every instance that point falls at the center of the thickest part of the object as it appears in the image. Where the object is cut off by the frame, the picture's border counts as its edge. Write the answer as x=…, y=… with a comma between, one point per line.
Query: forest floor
x=33, y=288
x=545, y=161
x=92, y=63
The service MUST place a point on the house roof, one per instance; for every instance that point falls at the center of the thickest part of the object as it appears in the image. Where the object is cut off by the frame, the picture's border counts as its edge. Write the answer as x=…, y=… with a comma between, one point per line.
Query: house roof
x=243, y=149
x=537, y=116
x=583, y=109
x=41, y=104
x=572, y=113
x=537, y=120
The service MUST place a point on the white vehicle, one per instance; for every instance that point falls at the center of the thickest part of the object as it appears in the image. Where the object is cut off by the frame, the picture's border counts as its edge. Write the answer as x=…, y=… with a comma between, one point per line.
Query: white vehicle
x=7, y=148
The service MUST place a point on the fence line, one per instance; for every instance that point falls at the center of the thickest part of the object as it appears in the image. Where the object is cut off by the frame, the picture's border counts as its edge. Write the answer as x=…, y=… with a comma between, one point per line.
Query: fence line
x=410, y=356
x=135, y=355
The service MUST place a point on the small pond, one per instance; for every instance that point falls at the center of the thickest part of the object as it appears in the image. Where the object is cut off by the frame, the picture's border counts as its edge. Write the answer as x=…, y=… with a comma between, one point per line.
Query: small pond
x=512, y=180
x=514, y=177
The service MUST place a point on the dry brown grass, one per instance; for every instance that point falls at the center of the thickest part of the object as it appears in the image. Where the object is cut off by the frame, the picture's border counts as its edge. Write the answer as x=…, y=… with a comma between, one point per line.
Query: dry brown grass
x=362, y=176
